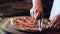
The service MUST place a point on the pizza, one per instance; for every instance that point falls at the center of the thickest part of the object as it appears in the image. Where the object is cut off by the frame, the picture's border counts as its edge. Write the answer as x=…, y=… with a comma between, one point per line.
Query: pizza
x=46, y=23
x=25, y=23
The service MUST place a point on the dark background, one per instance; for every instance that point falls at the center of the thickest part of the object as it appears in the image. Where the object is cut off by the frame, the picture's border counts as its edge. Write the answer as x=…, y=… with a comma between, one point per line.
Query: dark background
x=9, y=1
x=9, y=11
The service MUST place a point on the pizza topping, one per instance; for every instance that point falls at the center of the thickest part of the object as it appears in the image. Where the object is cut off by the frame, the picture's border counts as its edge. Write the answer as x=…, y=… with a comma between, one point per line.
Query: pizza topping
x=25, y=23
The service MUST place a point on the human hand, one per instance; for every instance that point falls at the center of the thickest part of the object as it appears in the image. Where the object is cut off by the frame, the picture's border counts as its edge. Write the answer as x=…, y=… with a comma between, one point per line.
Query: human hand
x=36, y=12
x=55, y=23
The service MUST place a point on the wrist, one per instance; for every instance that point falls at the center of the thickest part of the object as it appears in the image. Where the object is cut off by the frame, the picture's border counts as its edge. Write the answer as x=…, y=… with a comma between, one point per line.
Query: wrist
x=36, y=3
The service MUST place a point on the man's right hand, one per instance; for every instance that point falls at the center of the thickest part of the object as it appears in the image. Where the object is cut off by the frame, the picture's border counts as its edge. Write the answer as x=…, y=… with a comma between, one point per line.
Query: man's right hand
x=36, y=12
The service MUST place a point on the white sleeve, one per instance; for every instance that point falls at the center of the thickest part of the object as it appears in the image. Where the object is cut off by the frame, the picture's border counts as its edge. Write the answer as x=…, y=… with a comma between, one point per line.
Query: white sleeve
x=55, y=9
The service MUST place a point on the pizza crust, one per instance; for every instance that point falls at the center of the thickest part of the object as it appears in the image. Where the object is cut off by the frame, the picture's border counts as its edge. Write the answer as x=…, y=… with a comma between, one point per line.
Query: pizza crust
x=25, y=28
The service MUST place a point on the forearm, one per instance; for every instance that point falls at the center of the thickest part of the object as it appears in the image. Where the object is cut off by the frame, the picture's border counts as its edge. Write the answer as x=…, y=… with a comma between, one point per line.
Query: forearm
x=37, y=3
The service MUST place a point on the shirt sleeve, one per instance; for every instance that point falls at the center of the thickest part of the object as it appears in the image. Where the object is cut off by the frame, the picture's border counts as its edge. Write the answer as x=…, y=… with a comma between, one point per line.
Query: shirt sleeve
x=55, y=9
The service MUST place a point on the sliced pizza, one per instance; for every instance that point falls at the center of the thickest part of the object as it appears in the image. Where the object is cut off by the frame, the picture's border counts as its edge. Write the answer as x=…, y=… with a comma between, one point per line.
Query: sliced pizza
x=25, y=23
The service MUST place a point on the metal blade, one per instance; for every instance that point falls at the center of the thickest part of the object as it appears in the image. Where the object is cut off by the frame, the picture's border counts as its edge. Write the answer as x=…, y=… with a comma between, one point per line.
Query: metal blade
x=40, y=24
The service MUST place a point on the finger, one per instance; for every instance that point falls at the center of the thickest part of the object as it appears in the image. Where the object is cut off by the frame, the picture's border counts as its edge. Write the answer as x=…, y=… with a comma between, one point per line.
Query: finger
x=55, y=26
x=39, y=14
x=31, y=13
x=54, y=22
x=35, y=15
x=58, y=26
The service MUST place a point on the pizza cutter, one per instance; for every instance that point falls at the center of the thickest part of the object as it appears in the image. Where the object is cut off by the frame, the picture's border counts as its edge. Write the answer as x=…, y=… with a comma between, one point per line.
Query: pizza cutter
x=39, y=21
x=40, y=24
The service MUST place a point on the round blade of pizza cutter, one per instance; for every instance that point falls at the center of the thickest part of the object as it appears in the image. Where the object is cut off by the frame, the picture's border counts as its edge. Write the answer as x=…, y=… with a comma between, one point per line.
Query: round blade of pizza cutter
x=40, y=25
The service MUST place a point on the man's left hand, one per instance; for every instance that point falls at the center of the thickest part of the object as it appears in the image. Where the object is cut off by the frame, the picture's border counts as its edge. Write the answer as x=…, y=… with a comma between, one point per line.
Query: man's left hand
x=55, y=22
